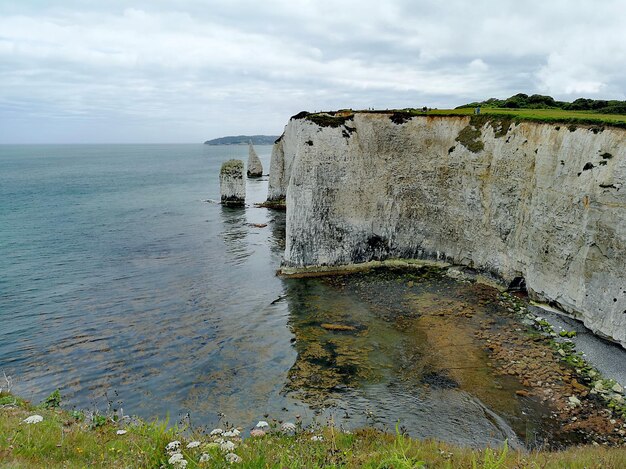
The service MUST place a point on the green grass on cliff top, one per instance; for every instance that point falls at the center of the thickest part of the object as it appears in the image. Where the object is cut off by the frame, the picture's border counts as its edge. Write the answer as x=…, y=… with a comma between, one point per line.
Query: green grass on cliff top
x=545, y=115
x=552, y=115
x=556, y=116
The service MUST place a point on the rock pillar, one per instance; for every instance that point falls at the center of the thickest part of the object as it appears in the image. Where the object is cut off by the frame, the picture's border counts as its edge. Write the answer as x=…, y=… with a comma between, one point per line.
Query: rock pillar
x=232, y=183
x=255, y=168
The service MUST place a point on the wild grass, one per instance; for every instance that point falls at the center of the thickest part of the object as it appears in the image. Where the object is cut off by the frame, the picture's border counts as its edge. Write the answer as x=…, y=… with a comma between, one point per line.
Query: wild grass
x=64, y=440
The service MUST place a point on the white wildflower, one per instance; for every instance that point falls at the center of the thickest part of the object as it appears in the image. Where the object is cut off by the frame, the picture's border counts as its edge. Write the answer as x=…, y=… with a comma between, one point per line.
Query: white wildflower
x=233, y=458
x=193, y=444
x=227, y=446
x=216, y=431
x=176, y=458
x=173, y=446
x=262, y=424
x=231, y=433
x=317, y=438
x=204, y=457
x=121, y=432
x=33, y=419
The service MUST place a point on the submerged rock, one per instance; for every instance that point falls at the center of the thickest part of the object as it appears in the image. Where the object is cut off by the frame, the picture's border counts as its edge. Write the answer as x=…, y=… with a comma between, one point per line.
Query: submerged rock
x=255, y=168
x=338, y=327
x=232, y=183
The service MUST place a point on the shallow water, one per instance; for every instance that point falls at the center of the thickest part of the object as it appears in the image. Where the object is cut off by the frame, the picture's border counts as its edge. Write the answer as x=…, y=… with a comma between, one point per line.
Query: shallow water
x=120, y=282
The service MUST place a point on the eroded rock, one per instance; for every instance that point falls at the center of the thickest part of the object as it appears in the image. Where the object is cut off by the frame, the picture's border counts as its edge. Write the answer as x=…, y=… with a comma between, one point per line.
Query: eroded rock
x=232, y=183
x=255, y=168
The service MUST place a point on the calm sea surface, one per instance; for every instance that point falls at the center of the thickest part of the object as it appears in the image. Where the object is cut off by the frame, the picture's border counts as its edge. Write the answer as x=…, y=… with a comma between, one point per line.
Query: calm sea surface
x=117, y=275
x=121, y=281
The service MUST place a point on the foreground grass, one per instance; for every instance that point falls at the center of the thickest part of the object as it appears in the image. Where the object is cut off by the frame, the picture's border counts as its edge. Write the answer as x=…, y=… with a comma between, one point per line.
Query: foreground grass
x=64, y=439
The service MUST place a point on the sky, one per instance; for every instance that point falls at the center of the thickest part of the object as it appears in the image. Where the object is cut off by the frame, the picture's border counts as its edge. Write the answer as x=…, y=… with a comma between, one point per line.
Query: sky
x=176, y=71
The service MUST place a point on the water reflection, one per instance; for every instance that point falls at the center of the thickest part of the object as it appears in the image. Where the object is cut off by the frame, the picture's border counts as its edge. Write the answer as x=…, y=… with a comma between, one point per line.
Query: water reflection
x=277, y=228
x=234, y=234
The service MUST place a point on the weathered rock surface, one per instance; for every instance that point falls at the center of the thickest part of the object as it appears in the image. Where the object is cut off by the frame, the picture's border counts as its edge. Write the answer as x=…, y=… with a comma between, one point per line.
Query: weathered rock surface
x=232, y=183
x=545, y=202
x=255, y=168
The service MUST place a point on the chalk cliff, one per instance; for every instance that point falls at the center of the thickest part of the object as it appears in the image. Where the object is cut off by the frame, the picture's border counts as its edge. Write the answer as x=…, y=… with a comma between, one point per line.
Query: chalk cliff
x=538, y=201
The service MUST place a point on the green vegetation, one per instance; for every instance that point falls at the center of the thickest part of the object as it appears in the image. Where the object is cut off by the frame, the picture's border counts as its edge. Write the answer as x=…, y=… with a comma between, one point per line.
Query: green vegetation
x=280, y=204
x=469, y=137
x=537, y=101
x=329, y=120
x=556, y=116
x=596, y=113
x=71, y=440
x=232, y=168
x=52, y=401
x=571, y=119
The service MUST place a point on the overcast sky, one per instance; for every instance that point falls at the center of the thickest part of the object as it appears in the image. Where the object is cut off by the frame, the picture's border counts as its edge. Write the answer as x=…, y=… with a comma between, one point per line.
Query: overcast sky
x=189, y=70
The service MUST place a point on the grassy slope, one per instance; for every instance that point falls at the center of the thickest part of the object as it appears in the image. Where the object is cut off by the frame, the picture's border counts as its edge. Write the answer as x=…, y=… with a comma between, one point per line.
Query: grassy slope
x=556, y=116
x=63, y=441
x=544, y=115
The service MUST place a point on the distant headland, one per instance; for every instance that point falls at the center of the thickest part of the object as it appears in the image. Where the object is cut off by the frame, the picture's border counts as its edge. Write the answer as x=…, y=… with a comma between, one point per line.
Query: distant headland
x=243, y=140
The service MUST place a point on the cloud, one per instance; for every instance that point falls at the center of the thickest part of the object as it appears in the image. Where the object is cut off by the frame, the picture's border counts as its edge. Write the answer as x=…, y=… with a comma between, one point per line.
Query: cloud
x=188, y=70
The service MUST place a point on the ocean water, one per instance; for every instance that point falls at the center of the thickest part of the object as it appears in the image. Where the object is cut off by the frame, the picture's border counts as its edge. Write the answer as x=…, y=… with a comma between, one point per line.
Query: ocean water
x=123, y=283
x=117, y=276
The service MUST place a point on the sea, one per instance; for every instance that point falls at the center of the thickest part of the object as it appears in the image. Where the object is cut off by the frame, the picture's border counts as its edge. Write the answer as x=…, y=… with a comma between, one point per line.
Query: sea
x=128, y=287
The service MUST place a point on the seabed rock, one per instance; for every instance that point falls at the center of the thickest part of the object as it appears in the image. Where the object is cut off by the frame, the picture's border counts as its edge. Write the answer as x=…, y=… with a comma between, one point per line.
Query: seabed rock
x=232, y=183
x=255, y=168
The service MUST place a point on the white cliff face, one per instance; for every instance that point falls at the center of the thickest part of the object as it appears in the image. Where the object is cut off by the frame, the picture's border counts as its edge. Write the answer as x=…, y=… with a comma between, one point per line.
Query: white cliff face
x=232, y=183
x=538, y=201
x=290, y=144
x=277, y=187
x=255, y=168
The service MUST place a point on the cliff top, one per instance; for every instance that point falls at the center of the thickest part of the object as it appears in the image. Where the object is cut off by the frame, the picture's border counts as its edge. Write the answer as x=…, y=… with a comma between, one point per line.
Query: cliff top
x=399, y=116
x=232, y=167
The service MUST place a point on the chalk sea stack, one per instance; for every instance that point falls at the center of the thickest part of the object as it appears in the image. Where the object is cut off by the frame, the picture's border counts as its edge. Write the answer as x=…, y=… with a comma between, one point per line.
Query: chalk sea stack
x=255, y=168
x=232, y=183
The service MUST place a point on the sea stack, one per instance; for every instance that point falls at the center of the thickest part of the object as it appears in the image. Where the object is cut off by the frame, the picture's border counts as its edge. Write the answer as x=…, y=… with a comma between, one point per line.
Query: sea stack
x=255, y=168
x=232, y=184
